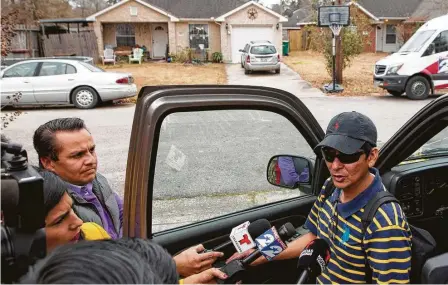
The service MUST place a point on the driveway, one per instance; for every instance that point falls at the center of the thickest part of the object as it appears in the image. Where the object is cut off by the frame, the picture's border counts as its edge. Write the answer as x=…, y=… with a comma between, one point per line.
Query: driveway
x=288, y=80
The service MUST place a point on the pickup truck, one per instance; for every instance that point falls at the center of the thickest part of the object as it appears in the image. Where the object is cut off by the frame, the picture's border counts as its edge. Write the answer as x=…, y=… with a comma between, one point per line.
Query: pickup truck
x=413, y=165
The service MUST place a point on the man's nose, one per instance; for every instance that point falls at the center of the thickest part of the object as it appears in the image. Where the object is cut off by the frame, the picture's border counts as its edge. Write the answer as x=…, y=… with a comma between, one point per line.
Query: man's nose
x=76, y=222
x=337, y=164
x=91, y=158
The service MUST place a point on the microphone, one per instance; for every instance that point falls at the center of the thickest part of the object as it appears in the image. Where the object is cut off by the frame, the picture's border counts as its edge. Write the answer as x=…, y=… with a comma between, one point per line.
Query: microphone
x=271, y=243
x=313, y=259
x=241, y=235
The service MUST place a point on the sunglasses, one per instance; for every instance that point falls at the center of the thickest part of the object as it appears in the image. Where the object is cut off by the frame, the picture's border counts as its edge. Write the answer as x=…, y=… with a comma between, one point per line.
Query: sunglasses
x=330, y=154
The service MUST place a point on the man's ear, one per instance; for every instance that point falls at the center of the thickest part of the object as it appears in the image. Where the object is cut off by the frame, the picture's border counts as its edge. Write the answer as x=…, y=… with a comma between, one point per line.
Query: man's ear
x=47, y=163
x=373, y=157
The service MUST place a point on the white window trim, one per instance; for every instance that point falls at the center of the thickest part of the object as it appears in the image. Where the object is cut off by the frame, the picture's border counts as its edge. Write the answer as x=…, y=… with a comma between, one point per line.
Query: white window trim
x=133, y=11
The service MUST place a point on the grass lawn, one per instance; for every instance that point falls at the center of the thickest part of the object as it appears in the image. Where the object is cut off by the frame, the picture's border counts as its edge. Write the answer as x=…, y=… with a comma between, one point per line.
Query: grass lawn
x=358, y=78
x=163, y=73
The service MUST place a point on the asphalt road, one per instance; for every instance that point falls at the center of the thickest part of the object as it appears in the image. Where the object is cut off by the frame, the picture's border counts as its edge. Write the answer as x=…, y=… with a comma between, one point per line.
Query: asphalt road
x=213, y=163
x=218, y=151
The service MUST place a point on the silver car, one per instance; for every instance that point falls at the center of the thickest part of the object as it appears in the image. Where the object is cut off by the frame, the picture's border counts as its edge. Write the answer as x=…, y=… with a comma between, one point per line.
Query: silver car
x=260, y=56
x=61, y=82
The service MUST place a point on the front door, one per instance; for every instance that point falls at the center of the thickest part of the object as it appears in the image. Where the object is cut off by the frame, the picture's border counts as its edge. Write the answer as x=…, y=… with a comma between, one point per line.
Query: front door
x=159, y=40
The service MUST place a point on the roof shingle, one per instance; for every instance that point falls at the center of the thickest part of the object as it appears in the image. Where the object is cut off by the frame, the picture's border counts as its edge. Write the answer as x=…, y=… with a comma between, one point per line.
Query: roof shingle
x=390, y=8
x=203, y=9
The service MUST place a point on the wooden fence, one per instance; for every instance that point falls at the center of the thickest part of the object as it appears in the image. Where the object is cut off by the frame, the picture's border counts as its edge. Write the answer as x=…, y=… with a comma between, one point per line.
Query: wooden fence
x=79, y=44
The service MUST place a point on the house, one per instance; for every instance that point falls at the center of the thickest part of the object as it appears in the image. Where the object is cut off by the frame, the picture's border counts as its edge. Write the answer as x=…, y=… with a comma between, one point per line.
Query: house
x=25, y=43
x=172, y=26
x=293, y=28
x=388, y=18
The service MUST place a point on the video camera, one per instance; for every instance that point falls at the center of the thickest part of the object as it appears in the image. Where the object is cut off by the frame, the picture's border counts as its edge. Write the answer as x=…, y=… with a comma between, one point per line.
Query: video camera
x=23, y=239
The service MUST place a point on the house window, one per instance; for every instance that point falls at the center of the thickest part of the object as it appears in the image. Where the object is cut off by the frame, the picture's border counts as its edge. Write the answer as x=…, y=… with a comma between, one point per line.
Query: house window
x=133, y=10
x=391, y=34
x=125, y=35
x=198, y=35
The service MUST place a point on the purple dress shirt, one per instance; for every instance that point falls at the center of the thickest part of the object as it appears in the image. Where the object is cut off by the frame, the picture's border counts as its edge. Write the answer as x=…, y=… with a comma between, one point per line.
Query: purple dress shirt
x=87, y=194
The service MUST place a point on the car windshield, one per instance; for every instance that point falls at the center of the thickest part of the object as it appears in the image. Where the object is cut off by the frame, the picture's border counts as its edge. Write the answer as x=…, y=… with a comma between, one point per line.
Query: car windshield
x=264, y=49
x=437, y=146
x=91, y=67
x=417, y=41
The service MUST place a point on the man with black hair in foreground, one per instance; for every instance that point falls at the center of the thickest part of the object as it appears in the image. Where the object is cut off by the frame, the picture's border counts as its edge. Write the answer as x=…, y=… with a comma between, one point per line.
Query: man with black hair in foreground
x=123, y=261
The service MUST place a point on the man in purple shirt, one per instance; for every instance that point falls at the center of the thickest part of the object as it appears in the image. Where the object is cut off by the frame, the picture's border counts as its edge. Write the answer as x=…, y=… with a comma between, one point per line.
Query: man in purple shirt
x=66, y=147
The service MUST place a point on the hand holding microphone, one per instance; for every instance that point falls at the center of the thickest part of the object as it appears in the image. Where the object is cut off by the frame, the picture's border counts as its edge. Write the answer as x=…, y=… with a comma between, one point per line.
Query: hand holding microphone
x=313, y=259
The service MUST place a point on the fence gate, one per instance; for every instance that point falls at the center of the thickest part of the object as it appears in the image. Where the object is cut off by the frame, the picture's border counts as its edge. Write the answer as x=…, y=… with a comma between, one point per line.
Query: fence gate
x=71, y=44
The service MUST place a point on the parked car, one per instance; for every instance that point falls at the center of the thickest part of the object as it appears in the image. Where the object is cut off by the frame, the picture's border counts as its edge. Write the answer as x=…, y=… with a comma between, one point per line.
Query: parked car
x=420, y=66
x=57, y=81
x=260, y=56
x=413, y=165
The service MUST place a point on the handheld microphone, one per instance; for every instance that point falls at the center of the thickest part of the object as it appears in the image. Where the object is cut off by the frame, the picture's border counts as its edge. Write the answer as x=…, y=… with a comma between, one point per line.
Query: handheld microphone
x=242, y=235
x=271, y=243
x=313, y=259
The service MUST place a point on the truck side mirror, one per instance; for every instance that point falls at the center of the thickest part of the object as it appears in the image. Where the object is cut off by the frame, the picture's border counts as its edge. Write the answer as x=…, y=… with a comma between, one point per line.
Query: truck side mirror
x=289, y=171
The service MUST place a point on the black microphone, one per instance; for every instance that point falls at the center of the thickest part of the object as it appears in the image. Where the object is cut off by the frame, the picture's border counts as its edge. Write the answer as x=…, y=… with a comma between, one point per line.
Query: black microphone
x=285, y=232
x=313, y=259
x=254, y=229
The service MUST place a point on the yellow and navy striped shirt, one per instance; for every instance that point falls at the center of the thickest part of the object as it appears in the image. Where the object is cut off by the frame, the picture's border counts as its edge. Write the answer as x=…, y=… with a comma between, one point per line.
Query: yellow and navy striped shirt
x=387, y=241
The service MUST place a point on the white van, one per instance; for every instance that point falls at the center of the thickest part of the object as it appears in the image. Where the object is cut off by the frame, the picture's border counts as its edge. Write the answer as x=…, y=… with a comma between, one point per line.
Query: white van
x=420, y=66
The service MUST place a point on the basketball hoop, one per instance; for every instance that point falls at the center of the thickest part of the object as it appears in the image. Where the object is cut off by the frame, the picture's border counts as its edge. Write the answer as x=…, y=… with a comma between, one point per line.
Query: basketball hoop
x=336, y=28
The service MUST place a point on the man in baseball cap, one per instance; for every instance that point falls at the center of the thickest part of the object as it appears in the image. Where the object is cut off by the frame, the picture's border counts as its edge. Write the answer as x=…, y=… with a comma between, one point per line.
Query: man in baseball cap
x=381, y=254
x=349, y=150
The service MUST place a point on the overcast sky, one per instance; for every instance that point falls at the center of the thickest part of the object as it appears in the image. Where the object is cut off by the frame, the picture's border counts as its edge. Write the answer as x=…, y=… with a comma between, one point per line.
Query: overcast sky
x=269, y=2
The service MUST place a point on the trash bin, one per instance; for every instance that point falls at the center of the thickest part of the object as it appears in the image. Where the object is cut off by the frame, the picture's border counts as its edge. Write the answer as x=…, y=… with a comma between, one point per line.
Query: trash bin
x=285, y=47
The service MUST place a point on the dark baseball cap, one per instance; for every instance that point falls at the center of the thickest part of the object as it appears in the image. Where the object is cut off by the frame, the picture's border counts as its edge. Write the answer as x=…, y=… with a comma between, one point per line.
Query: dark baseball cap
x=348, y=131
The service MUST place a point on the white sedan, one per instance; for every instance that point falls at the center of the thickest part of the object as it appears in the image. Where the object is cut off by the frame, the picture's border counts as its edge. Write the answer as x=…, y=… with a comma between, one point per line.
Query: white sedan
x=54, y=81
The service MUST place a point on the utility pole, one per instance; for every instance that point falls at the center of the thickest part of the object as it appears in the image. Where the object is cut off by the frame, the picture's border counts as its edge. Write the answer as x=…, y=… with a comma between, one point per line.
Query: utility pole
x=339, y=51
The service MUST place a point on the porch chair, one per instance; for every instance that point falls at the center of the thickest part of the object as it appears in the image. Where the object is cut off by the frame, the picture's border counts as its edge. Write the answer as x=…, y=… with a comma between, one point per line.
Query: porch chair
x=109, y=56
x=137, y=55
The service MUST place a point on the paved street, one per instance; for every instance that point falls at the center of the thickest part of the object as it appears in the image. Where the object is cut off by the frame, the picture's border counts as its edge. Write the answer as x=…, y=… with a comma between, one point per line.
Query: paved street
x=222, y=153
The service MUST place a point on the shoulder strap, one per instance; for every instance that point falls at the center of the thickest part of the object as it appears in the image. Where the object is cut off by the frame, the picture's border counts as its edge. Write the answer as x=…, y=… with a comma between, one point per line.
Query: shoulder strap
x=329, y=188
x=373, y=205
x=369, y=213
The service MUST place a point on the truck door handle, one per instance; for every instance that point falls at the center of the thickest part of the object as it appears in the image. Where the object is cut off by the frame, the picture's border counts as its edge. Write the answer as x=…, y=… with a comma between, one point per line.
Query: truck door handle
x=71, y=79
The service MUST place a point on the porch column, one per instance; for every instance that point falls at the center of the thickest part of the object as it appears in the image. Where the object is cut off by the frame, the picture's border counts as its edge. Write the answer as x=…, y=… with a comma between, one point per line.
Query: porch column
x=172, y=37
x=98, y=29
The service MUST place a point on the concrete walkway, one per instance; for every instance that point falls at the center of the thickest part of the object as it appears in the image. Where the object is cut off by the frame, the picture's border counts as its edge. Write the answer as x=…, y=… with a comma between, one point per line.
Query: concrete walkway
x=287, y=80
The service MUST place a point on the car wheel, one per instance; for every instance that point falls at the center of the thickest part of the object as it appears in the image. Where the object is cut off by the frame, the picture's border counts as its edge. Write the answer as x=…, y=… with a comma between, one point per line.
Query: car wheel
x=242, y=65
x=417, y=88
x=85, y=98
x=277, y=71
x=395, y=93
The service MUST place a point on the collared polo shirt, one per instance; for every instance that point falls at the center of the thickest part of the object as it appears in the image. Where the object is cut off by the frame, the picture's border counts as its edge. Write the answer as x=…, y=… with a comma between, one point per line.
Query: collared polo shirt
x=387, y=241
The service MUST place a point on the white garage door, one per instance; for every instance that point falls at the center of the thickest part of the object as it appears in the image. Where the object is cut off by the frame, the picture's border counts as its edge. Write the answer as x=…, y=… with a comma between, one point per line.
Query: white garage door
x=243, y=35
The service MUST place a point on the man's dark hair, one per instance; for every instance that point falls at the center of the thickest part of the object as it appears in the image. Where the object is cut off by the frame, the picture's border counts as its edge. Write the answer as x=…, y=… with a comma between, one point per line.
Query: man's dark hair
x=155, y=255
x=54, y=189
x=92, y=262
x=367, y=148
x=44, y=136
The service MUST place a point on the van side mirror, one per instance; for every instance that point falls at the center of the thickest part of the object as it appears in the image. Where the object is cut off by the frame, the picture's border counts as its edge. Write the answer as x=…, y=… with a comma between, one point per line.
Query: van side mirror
x=241, y=50
x=289, y=171
x=430, y=50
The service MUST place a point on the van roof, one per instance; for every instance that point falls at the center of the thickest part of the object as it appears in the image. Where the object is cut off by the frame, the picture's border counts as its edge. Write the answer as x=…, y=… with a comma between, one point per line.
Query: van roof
x=436, y=23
